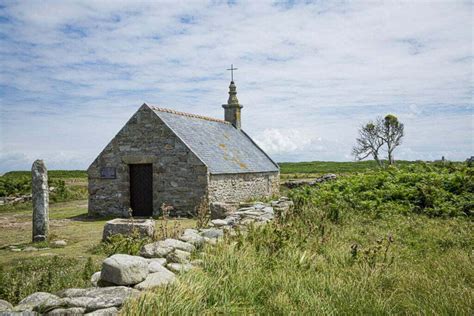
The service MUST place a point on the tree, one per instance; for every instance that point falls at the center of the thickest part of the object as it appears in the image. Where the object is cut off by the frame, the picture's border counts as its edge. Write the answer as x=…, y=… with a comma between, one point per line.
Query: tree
x=374, y=135
x=392, y=134
x=369, y=142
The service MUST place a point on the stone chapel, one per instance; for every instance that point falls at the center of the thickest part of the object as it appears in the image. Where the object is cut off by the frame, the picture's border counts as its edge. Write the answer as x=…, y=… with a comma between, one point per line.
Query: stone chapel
x=180, y=159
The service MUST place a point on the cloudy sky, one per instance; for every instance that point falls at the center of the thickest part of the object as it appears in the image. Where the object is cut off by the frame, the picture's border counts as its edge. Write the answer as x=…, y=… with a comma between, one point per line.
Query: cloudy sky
x=310, y=73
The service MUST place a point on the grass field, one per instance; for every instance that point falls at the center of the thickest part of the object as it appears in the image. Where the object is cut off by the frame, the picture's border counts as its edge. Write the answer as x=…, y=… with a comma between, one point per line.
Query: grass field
x=396, y=241
x=322, y=167
x=53, y=268
x=381, y=243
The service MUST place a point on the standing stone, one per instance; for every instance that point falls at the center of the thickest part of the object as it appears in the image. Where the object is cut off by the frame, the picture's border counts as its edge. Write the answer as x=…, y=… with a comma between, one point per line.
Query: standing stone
x=40, y=198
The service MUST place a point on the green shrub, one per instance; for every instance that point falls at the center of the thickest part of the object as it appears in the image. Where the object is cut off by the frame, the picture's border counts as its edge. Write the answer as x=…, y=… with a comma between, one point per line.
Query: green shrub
x=126, y=244
x=434, y=190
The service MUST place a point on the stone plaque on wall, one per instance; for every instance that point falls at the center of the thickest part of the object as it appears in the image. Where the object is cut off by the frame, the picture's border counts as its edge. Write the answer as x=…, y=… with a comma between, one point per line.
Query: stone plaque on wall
x=108, y=173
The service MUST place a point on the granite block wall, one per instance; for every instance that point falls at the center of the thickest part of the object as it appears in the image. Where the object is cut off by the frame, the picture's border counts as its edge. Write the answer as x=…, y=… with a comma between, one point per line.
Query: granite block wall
x=179, y=177
x=234, y=188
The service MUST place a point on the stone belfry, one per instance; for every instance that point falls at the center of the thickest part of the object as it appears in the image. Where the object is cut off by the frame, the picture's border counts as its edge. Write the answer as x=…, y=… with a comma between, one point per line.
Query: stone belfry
x=232, y=108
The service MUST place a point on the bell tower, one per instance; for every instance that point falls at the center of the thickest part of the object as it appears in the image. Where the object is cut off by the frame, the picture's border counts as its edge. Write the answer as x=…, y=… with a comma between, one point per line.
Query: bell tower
x=232, y=108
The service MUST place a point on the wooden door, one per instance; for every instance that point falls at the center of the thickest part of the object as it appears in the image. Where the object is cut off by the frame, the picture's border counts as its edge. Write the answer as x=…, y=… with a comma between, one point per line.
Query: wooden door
x=141, y=189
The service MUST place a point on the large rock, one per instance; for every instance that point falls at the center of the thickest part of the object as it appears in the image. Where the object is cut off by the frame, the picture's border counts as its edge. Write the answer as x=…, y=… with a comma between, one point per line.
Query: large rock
x=162, y=276
x=34, y=300
x=82, y=301
x=162, y=248
x=221, y=209
x=49, y=304
x=155, y=250
x=142, y=227
x=180, y=267
x=219, y=222
x=5, y=306
x=178, y=256
x=66, y=311
x=192, y=236
x=212, y=233
x=155, y=265
x=123, y=269
x=97, y=298
x=40, y=200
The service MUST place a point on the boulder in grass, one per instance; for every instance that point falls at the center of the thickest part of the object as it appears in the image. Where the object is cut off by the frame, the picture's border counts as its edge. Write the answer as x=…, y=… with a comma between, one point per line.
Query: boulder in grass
x=212, y=233
x=34, y=300
x=5, y=306
x=178, y=256
x=179, y=267
x=123, y=269
x=161, y=277
x=219, y=222
x=155, y=250
x=93, y=299
x=192, y=237
x=177, y=244
x=123, y=226
x=162, y=248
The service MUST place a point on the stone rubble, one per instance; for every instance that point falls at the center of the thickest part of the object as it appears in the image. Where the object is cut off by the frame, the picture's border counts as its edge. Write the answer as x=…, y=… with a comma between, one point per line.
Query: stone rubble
x=124, y=276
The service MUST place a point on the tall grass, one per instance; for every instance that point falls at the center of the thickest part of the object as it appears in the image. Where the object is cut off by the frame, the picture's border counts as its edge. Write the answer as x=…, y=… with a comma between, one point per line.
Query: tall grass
x=322, y=259
x=44, y=274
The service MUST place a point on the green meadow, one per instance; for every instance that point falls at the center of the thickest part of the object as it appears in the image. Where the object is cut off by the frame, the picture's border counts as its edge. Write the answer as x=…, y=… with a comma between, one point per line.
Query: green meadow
x=374, y=241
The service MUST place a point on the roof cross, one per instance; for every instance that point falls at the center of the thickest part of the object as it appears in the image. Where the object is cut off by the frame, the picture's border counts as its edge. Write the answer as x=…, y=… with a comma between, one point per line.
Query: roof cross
x=232, y=72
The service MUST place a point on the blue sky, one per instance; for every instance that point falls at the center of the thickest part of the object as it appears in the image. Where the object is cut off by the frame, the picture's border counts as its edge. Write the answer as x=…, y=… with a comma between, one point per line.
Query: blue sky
x=310, y=73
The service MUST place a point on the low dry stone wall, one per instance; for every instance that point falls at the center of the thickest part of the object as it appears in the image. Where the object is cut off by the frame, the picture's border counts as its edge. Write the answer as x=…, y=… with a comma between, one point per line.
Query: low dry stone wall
x=299, y=183
x=123, y=276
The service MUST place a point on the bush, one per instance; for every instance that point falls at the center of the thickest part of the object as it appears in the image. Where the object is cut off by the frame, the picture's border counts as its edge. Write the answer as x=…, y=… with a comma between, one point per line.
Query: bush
x=125, y=244
x=434, y=190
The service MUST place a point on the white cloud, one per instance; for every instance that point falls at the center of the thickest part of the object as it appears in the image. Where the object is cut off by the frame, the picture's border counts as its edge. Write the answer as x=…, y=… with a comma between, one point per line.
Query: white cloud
x=278, y=141
x=73, y=72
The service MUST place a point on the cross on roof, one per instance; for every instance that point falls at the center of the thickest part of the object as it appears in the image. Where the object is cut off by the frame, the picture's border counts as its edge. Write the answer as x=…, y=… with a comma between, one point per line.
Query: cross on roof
x=232, y=72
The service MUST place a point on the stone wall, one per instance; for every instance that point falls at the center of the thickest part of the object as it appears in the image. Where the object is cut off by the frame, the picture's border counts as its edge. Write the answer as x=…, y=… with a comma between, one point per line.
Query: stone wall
x=179, y=177
x=241, y=187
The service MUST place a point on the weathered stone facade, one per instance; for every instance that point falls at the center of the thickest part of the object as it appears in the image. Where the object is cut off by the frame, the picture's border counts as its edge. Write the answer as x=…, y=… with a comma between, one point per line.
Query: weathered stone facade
x=179, y=177
x=232, y=188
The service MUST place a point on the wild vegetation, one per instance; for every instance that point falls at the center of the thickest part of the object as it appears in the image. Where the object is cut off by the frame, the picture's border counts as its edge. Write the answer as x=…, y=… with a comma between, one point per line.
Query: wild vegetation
x=322, y=167
x=407, y=252
x=392, y=241
x=51, y=268
x=46, y=274
x=68, y=185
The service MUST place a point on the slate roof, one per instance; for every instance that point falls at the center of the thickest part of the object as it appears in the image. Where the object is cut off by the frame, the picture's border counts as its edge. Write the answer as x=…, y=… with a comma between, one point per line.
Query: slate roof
x=222, y=147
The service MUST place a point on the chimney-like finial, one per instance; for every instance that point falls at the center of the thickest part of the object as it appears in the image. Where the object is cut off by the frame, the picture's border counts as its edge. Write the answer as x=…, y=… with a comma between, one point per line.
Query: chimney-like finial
x=232, y=94
x=232, y=108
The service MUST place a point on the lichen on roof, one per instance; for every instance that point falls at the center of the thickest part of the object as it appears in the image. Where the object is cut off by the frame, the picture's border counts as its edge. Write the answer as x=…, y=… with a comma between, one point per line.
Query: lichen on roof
x=219, y=145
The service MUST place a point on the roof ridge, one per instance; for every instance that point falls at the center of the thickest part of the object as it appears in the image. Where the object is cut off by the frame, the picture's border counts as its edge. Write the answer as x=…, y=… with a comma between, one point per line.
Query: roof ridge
x=187, y=114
